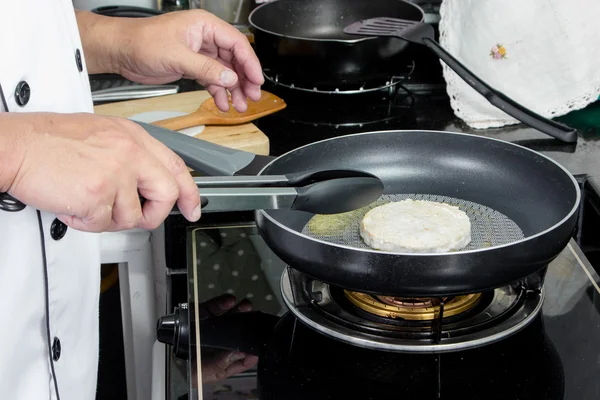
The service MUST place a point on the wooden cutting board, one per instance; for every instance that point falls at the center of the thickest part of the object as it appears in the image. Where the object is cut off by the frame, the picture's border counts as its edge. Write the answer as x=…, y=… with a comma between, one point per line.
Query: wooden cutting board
x=245, y=137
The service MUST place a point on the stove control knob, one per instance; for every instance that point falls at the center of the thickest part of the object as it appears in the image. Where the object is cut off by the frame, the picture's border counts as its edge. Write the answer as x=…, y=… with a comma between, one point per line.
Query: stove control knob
x=174, y=330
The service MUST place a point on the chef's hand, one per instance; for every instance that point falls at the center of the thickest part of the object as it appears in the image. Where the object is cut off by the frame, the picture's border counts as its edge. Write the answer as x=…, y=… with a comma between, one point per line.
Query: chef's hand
x=221, y=364
x=192, y=44
x=88, y=169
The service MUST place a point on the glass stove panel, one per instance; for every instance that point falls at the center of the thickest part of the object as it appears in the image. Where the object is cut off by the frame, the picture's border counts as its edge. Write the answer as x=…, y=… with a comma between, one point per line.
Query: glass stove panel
x=570, y=310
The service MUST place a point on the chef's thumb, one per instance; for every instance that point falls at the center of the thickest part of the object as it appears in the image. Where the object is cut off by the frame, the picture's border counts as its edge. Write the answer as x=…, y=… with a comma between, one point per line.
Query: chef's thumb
x=208, y=71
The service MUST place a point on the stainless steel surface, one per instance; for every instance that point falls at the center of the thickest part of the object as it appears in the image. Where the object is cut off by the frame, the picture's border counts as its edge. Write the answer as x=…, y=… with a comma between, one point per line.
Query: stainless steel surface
x=235, y=12
x=133, y=92
x=502, y=299
x=227, y=181
x=247, y=199
x=489, y=228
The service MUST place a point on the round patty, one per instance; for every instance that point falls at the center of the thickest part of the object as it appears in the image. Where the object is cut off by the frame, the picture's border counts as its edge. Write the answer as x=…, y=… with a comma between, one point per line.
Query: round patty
x=416, y=226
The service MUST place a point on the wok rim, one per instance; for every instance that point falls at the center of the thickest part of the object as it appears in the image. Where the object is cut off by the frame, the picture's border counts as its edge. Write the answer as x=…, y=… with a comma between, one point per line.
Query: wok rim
x=346, y=41
x=375, y=252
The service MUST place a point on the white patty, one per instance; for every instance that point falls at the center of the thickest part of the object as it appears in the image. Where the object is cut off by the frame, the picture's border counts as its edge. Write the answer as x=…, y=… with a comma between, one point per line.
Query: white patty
x=416, y=226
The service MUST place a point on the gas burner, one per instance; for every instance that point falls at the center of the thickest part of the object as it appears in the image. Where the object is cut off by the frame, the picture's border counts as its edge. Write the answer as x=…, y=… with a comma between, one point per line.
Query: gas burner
x=421, y=309
x=387, y=84
x=391, y=323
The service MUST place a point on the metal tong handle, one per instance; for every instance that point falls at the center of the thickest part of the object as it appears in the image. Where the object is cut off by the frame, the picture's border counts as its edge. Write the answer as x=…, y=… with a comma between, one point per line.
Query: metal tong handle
x=321, y=192
x=241, y=181
x=229, y=199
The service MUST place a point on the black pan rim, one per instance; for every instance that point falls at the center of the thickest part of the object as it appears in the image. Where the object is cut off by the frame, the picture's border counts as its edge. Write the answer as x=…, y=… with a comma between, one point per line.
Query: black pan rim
x=346, y=41
x=574, y=210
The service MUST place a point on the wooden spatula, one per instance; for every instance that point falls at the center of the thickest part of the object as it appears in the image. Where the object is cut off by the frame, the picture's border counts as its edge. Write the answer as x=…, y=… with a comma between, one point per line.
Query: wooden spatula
x=209, y=114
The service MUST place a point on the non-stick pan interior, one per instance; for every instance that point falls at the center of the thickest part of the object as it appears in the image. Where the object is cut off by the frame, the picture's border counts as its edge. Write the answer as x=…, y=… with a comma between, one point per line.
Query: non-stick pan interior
x=520, y=192
x=489, y=228
x=326, y=19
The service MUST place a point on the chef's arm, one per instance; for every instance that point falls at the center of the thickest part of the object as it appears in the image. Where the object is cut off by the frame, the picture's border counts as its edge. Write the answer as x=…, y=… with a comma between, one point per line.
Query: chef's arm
x=100, y=37
x=11, y=150
x=194, y=44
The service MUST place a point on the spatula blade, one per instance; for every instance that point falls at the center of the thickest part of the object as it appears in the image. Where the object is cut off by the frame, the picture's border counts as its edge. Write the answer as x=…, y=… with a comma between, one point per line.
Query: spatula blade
x=413, y=31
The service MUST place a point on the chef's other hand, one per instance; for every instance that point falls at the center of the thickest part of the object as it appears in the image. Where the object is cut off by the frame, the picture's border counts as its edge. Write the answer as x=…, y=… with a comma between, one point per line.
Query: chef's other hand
x=89, y=169
x=221, y=364
x=193, y=44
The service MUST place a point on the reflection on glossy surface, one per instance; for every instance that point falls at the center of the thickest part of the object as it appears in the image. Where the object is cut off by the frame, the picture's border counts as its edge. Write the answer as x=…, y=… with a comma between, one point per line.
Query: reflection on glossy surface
x=556, y=357
x=305, y=365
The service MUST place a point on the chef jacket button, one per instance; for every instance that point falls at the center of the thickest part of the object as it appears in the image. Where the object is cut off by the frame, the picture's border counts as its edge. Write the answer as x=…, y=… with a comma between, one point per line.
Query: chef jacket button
x=22, y=93
x=58, y=229
x=78, y=60
x=56, y=348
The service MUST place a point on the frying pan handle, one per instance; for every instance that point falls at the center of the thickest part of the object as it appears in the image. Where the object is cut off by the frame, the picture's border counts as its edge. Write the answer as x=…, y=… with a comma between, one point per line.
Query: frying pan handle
x=202, y=156
x=500, y=100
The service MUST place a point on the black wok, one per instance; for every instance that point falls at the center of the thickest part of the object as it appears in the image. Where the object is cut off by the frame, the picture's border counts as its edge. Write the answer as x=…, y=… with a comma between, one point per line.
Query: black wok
x=304, y=40
x=528, y=188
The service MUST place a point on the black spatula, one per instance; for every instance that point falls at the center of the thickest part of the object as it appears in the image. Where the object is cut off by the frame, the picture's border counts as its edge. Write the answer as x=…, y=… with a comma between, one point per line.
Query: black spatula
x=421, y=33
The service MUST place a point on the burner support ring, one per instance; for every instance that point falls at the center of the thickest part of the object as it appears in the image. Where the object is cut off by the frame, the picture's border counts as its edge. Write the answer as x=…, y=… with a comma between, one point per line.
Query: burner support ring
x=305, y=309
x=390, y=84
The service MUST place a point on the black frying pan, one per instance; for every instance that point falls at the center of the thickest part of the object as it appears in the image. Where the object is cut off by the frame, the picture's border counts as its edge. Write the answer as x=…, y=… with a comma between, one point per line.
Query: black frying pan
x=537, y=200
x=304, y=40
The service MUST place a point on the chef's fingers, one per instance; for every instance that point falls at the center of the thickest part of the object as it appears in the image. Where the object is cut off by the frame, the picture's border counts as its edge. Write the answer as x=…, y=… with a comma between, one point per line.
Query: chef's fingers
x=219, y=365
x=220, y=96
x=249, y=88
x=238, y=99
x=243, y=58
x=84, y=225
x=225, y=360
x=236, y=368
x=98, y=220
x=250, y=361
x=251, y=68
x=188, y=200
x=159, y=188
x=244, y=305
x=94, y=212
x=127, y=209
x=220, y=304
x=205, y=69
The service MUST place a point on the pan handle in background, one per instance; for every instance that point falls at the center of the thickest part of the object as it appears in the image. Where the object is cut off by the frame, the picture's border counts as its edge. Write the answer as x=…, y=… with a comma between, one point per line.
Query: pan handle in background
x=200, y=155
x=501, y=101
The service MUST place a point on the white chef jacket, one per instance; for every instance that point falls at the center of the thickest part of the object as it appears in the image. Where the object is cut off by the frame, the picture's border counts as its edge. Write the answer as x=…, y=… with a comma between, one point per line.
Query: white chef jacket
x=39, y=41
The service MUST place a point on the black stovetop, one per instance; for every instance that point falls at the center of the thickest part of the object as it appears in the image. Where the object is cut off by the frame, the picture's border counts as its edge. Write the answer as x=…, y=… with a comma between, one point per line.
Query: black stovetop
x=555, y=357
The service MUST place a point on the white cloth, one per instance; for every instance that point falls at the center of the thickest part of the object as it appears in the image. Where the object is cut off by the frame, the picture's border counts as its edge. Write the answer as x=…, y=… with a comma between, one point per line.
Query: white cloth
x=38, y=43
x=551, y=61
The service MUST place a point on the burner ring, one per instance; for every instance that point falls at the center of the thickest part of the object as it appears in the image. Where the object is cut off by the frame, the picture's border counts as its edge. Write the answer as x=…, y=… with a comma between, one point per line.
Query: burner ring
x=311, y=302
x=390, y=84
x=420, y=309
